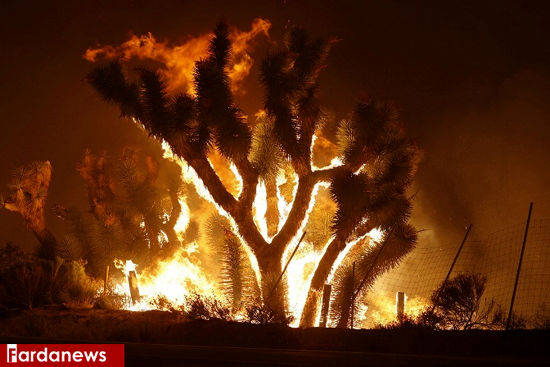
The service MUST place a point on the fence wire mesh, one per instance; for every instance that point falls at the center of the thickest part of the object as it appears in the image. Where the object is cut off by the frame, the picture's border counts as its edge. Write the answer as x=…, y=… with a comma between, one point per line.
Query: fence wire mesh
x=494, y=256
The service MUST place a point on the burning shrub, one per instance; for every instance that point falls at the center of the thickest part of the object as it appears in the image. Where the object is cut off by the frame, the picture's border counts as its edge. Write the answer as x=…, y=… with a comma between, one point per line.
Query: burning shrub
x=261, y=314
x=205, y=308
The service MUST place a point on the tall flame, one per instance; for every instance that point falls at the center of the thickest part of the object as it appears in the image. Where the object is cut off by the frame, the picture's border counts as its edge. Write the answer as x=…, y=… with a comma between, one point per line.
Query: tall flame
x=179, y=59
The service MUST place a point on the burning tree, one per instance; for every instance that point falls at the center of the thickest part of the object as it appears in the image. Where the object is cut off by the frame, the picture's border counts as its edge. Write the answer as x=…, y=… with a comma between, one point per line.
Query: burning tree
x=367, y=181
x=135, y=211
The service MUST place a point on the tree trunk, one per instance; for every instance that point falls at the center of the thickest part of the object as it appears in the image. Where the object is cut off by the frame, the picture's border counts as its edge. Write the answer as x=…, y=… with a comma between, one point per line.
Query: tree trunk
x=311, y=307
x=273, y=293
x=168, y=227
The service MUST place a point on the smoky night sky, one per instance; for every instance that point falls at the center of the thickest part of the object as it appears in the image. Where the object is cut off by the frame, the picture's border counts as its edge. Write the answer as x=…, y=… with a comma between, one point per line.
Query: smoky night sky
x=472, y=80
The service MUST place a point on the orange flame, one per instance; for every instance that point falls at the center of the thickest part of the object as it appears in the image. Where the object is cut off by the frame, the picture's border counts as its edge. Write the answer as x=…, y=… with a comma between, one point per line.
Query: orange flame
x=178, y=60
x=173, y=279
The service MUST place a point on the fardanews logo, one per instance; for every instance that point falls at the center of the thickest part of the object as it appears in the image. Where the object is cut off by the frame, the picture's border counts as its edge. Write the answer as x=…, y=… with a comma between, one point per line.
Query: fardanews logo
x=12, y=353
x=63, y=354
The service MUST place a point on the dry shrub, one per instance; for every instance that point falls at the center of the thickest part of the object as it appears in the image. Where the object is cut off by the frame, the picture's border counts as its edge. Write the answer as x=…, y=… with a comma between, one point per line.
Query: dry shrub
x=24, y=279
x=205, y=308
x=73, y=286
x=408, y=322
x=261, y=314
x=110, y=301
x=27, y=281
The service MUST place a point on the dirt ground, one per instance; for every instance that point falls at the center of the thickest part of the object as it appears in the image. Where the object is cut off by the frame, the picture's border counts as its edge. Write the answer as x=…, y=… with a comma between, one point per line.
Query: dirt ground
x=157, y=327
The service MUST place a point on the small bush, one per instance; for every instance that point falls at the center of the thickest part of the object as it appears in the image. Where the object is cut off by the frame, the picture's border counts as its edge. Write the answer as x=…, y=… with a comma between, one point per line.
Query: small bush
x=407, y=322
x=203, y=308
x=27, y=281
x=541, y=320
x=73, y=286
x=261, y=314
x=110, y=301
x=24, y=279
x=458, y=304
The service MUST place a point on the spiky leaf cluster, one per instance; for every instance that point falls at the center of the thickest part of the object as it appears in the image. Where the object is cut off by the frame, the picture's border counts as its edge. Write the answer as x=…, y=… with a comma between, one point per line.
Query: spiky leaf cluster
x=265, y=156
x=379, y=163
x=290, y=76
x=132, y=211
x=190, y=124
x=371, y=260
x=236, y=276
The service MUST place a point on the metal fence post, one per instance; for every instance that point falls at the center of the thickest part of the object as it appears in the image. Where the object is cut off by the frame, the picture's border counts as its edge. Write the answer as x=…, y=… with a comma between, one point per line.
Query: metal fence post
x=509, y=320
x=453, y=263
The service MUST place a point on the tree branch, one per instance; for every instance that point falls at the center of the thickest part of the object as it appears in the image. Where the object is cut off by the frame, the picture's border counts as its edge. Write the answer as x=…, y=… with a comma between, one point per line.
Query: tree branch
x=241, y=214
x=300, y=205
x=250, y=181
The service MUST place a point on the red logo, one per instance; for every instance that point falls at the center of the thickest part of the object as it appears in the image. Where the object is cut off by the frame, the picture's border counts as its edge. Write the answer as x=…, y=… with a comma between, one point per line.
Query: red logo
x=107, y=355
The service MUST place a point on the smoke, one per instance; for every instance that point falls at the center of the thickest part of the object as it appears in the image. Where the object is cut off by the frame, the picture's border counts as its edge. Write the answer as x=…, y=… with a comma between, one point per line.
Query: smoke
x=483, y=165
x=178, y=60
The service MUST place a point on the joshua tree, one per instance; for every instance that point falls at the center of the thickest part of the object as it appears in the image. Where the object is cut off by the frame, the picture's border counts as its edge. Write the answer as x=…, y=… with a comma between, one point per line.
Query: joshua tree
x=27, y=196
x=134, y=207
x=368, y=187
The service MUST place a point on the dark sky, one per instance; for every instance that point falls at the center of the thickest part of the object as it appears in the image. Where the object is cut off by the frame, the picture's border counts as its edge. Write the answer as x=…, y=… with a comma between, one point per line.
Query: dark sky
x=472, y=79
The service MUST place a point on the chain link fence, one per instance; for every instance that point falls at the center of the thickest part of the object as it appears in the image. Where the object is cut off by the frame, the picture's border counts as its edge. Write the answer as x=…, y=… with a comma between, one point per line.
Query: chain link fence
x=494, y=256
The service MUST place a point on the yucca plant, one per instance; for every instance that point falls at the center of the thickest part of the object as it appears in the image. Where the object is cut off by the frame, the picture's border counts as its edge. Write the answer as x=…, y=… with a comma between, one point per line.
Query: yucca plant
x=368, y=188
x=134, y=206
x=28, y=191
x=236, y=276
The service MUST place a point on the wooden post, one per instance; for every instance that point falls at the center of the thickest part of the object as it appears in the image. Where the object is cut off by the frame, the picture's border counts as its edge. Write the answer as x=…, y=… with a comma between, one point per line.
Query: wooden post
x=453, y=263
x=509, y=320
x=106, y=280
x=327, y=289
x=133, y=284
x=400, y=305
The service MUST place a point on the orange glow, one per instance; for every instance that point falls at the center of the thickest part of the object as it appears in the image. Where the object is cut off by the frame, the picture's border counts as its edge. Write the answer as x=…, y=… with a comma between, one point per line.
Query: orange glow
x=178, y=60
x=382, y=309
x=173, y=279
